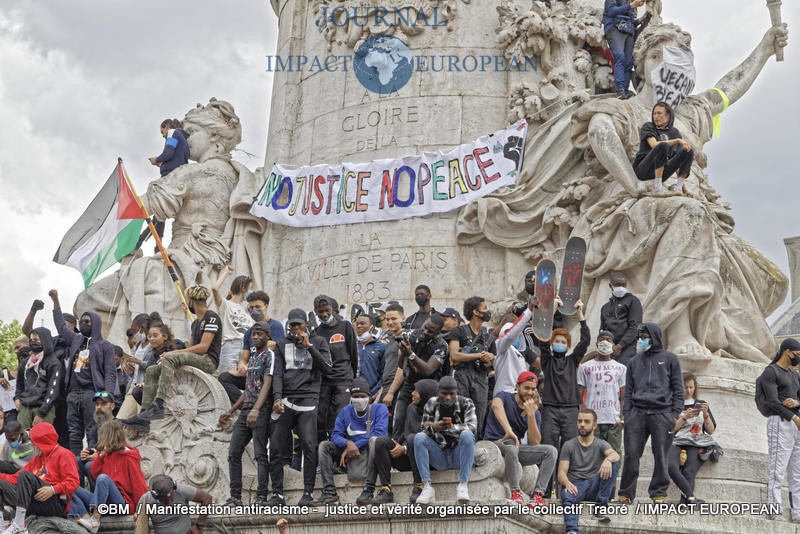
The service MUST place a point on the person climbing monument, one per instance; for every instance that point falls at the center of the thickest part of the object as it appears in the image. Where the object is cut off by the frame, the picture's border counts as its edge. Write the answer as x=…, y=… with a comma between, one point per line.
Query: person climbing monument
x=662, y=151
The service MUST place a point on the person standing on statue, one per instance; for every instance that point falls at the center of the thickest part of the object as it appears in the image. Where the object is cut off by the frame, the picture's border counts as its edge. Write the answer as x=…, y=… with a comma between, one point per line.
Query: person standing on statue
x=662, y=151
x=422, y=296
x=621, y=316
x=90, y=369
x=203, y=354
x=778, y=398
x=341, y=339
x=620, y=24
x=236, y=319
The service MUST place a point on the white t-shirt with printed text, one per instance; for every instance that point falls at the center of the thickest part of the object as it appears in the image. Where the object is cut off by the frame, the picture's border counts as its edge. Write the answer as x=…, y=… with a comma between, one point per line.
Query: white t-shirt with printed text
x=603, y=380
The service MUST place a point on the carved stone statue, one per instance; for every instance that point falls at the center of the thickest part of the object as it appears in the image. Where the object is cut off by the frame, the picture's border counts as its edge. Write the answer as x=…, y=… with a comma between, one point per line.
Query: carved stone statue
x=200, y=198
x=707, y=288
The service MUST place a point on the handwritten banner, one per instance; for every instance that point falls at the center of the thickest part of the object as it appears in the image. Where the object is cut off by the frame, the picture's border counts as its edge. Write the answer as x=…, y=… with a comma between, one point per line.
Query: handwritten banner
x=673, y=79
x=390, y=189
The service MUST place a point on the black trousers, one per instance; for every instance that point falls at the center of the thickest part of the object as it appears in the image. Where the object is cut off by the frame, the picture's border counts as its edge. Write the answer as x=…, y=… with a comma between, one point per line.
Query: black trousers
x=80, y=419
x=333, y=396
x=638, y=427
x=684, y=476
x=21, y=495
x=659, y=157
x=60, y=422
x=240, y=437
x=383, y=462
x=305, y=424
x=8, y=468
x=559, y=424
x=234, y=385
x=401, y=403
x=473, y=383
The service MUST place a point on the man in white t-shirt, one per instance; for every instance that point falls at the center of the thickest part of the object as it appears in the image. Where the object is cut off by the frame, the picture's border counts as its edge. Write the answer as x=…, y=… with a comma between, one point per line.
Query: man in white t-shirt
x=601, y=383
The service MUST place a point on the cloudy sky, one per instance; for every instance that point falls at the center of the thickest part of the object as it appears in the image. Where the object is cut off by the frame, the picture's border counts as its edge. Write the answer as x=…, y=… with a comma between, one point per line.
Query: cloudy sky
x=83, y=82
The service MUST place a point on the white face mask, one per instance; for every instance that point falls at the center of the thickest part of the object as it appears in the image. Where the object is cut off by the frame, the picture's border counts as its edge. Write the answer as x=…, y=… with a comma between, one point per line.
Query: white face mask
x=363, y=338
x=139, y=336
x=359, y=403
x=619, y=292
x=604, y=348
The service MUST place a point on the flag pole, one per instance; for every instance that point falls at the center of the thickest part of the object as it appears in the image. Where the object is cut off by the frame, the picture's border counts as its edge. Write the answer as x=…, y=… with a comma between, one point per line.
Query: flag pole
x=152, y=228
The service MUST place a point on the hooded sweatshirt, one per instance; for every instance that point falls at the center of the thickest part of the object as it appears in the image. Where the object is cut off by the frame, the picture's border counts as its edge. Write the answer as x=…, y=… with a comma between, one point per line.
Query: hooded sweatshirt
x=621, y=317
x=653, y=383
x=124, y=469
x=649, y=129
x=56, y=465
x=20, y=455
x=341, y=340
x=38, y=386
x=561, y=372
x=102, y=366
x=427, y=388
x=175, y=153
x=299, y=370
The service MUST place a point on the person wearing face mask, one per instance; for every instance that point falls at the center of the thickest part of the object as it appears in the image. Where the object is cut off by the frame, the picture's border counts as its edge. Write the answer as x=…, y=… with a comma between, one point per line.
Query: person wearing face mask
x=341, y=338
x=137, y=364
x=601, y=385
x=472, y=354
x=653, y=402
x=18, y=450
x=514, y=355
x=523, y=301
x=236, y=319
x=621, y=316
x=422, y=296
x=38, y=381
x=560, y=398
x=778, y=399
x=90, y=369
x=352, y=443
x=372, y=362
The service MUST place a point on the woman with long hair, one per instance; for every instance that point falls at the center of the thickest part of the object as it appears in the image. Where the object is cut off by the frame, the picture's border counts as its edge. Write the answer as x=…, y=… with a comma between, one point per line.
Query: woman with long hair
x=235, y=315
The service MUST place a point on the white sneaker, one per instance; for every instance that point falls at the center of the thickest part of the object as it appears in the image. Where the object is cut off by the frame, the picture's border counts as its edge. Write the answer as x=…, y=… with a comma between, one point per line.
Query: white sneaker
x=91, y=523
x=13, y=528
x=462, y=492
x=427, y=496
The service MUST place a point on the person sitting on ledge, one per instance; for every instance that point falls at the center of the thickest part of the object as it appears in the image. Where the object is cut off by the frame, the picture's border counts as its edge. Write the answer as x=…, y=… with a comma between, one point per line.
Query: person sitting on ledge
x=447, y=440
x=202, y=354
x=165, y=492
x=662, y=151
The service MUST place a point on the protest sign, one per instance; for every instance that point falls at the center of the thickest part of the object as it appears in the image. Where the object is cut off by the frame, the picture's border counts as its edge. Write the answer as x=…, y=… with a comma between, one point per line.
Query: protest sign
x=673, y=79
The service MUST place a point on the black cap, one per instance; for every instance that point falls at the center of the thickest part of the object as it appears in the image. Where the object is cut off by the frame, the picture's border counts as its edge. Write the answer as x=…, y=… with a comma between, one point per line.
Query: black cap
x=448, y=382
x=262, y=326
x=789, y=344
x=605, y=333
x=451, y=312
x=359, y=385
x=296, y=316
x=104, y=395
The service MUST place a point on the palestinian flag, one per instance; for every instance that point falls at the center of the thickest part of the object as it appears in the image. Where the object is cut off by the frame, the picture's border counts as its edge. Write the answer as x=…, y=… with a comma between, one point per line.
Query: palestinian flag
x=106, y=232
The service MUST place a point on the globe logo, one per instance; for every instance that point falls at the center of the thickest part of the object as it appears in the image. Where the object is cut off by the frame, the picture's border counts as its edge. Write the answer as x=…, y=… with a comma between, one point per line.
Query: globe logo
x=383, y=64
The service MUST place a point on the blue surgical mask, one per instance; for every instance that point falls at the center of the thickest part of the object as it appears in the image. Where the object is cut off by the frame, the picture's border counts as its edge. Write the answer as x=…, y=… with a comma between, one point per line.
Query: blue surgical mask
x=643, y=344
x=517, y=343
x=247, y=293
x=328, y=320
x=559, y=347
x=15, y=444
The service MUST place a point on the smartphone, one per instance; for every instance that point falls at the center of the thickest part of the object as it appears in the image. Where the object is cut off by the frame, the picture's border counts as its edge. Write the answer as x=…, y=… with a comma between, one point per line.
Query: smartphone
x=697, y=406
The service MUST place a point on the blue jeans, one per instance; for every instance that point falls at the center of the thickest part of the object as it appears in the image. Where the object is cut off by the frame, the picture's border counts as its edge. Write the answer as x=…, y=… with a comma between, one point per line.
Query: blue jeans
x=621, y=45
x=427, y=453
x=81, y=500
x=106, y=492
x=595, y=489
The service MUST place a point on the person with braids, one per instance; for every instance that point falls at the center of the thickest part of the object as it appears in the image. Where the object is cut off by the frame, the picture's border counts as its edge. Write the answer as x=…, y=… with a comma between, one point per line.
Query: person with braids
x=203, y=353
x=235, y=314
x=137, y=364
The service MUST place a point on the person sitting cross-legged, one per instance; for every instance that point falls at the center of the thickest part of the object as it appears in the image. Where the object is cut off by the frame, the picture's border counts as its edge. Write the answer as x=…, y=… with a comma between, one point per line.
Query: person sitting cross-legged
x=587, y=468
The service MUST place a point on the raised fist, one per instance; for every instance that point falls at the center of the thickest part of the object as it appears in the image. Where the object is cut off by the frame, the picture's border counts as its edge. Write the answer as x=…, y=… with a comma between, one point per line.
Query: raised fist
x=37, y=305
x=53, y=294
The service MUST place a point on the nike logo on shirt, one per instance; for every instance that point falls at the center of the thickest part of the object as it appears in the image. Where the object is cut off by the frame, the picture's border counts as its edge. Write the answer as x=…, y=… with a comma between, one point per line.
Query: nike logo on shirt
x=351, y=432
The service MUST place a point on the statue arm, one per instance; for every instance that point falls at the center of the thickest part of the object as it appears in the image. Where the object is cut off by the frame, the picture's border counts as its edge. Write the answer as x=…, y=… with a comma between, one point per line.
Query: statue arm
x=738, y=81
x=610, y=151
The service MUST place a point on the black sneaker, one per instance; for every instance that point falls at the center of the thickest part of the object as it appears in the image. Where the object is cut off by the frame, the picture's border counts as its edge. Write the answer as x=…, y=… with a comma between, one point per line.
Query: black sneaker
x=276, y=500
x=137, y=423
x=365, y=497
x=415, y=493
x=233, y=501
x=306, y=500
x=261, y=501
x=384, y=495
x=152, y=413
x=600, y=515
x=327, y=497
x=623, y=95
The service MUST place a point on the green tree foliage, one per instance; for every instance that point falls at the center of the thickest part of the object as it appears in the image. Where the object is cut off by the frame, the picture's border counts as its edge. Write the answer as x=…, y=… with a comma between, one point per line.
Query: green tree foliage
x=8, y=333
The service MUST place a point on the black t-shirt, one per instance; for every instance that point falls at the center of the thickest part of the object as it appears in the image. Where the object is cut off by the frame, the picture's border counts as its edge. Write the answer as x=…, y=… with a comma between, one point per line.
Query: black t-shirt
x=425, y=350
x=416, y=320
x=210, y=323
x=471, y=343
x=648, y=130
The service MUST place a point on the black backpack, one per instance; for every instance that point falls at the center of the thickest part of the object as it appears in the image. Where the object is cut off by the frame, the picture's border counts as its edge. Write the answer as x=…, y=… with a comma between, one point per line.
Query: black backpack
x=761, y=396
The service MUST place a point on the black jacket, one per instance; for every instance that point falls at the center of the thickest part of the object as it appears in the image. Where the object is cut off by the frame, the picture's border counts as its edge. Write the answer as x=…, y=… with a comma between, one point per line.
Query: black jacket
x=102, y=366
x=653, y=383
x=39, y=388
x=622, y=317
x=561, y=372
x=341, y=340
x=649, y=129
x=300, y=375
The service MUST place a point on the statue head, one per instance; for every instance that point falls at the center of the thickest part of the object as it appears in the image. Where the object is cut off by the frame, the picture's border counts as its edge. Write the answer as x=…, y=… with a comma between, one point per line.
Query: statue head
x=648, y=51
x=214, y=130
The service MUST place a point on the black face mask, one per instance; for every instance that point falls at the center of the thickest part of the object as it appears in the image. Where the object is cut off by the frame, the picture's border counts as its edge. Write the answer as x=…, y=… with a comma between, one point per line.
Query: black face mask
x=256, y=314
x=486, y=316
x=35, y=346
x=530, y=288
x=794, y=360
x=85, y=329
x=191, y=309
x=421, y=300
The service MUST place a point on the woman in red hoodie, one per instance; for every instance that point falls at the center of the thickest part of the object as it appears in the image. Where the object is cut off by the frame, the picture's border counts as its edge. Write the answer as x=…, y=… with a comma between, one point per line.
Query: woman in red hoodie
x=116, y=470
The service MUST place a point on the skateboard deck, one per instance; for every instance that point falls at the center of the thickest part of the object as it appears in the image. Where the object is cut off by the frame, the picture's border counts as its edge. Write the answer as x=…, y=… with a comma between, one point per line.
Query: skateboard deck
x=545, y=292
x=572, y=275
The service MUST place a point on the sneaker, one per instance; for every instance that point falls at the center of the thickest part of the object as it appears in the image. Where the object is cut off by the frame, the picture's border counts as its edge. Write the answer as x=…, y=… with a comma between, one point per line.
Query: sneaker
x=516, y=497
x=537, y=499
x=384, y=495
x=233, y=502
x=659, y=499
x=694, y=501
x=327, y=497
x=137, y=422
x=621, y=499
x=365, y=497
x=13, y=528
x=462, y=492
x=308, y=500
x=91, y=523
x=415, y=493
x=427, y=495
x=622, y=95
x=276, y=500
x=152, y=413
x=598, y=511
x=261, y=501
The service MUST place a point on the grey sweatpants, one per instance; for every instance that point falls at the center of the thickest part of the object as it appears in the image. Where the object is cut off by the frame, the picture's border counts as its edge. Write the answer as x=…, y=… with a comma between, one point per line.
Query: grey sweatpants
x=783, y=443
x=543, y=456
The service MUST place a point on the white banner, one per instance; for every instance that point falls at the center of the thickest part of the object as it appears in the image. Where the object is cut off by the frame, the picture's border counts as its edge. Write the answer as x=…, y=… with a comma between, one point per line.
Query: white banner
x=389, y=189
x=674, y=78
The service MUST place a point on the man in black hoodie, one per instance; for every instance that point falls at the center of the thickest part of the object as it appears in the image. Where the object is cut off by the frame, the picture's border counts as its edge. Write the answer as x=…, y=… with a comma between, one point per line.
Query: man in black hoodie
x=653, y=402
x=334, y=392
x=38, y=381
x=661, y=150
x=91, y=368
x=301, y=361
x=621, y=316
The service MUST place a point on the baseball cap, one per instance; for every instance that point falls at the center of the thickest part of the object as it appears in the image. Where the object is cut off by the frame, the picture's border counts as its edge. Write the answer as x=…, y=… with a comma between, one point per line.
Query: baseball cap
x=359, y=385
x=451, y=312
x=527, y=376
x=296, y=316
x=104, y=395
x=605, y=333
